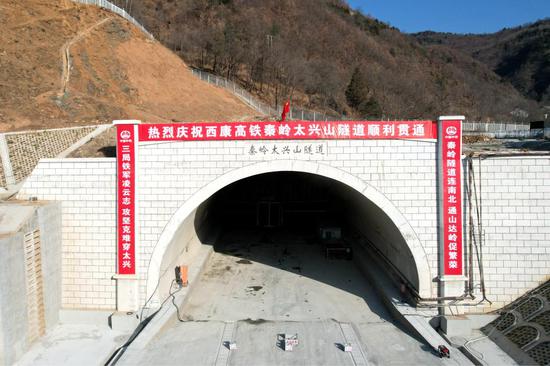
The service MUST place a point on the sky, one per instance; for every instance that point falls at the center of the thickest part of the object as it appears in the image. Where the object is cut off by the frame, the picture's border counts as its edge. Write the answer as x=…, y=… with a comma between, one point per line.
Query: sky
x=456, y=16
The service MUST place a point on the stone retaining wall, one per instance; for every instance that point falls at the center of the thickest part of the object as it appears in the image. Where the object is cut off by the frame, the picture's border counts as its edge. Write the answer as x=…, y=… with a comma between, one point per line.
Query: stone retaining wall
x=25, y=149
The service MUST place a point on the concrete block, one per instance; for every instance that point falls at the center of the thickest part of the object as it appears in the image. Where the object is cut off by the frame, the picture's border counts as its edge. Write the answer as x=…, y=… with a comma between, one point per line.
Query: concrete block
x=95, y=317
x=478, y=321
x=458, y=325
x=127, y=294
x=122, y=321
x=453, y=286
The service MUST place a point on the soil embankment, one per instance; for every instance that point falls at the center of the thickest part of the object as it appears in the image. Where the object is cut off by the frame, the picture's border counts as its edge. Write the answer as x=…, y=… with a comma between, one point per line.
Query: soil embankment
x=114, y=72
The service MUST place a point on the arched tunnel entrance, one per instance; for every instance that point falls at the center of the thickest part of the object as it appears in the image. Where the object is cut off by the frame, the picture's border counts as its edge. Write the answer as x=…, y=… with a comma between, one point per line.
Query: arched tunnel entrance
x=280, y=231
x=287, y=207
x=333, y=213
x=288, y=258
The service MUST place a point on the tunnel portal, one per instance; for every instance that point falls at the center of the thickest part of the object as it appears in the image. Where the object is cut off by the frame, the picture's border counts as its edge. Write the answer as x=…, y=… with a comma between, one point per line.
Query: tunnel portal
x=283, y=208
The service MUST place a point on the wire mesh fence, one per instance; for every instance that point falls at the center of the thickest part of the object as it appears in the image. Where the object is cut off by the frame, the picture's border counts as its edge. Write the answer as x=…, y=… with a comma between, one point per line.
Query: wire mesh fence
x=237, y=90
x=537, y=133
x=506, y=130
x=263, y=108
x=115, y=9
x=495, y=127
x=499, y=129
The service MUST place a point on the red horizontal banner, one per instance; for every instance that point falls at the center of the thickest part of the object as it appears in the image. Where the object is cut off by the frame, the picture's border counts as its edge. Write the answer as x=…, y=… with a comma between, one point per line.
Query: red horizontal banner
x=294, y=130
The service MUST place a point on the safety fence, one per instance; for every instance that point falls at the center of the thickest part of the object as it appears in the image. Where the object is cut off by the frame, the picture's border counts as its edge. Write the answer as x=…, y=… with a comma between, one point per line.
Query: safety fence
x=115, y=9
x=21, y=151
x=261, y=107
x=506, y=130
x=495, y=127
x=241, y=93
x=537, y=133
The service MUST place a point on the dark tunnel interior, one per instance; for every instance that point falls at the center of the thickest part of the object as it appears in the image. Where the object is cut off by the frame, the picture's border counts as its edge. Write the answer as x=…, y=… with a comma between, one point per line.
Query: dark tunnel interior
x=282, y=208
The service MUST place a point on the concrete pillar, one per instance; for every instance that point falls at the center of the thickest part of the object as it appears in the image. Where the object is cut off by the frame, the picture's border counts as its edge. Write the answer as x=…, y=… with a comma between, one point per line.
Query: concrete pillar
x=127, y=296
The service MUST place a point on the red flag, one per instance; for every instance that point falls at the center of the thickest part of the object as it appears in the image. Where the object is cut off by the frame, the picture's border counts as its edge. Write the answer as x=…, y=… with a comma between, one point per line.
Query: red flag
x=286, y=109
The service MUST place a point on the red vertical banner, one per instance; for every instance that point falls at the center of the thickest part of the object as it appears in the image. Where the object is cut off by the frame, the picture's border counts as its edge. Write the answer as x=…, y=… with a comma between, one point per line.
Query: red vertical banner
x=126, y=198
x=450, y=195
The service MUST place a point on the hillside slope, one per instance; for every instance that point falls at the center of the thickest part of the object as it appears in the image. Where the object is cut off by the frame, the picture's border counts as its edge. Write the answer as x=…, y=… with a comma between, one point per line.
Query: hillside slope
x=309, y=50
x=520, y=55
x=115, y=72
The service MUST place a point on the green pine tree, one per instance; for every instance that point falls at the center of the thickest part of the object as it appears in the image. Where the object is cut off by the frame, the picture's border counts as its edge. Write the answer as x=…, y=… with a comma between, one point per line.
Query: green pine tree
x=359, y=96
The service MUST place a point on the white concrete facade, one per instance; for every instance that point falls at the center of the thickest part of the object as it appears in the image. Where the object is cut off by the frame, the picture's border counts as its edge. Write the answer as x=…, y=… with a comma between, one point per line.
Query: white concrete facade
x=515, y=218
x=86, y=189
x=175, y=177
x=30, y=285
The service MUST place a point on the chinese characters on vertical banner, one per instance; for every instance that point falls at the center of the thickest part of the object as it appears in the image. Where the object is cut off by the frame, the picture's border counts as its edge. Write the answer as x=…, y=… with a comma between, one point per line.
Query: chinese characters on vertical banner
x=126, y=159
x=451, y=149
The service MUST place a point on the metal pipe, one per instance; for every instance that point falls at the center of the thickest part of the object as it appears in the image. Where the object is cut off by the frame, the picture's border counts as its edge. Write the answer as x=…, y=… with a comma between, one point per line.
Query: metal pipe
x=471, y=229
x=479, y=249
x=480, y=225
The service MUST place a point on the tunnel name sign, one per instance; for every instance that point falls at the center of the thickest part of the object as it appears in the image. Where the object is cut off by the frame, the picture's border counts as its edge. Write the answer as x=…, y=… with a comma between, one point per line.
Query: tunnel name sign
x=448, y=133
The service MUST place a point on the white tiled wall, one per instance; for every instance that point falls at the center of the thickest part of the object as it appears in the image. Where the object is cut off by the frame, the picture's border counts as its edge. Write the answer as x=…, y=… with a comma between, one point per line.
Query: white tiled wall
x=515, y=209
x=515, y=217
x=86, y=190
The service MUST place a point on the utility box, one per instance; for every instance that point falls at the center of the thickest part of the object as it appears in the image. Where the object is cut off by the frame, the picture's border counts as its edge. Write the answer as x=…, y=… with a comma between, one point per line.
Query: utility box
x=181, y=273
x=334, y=245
